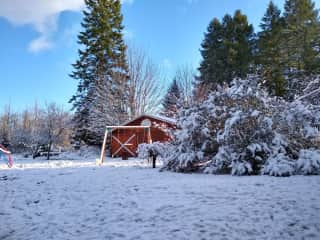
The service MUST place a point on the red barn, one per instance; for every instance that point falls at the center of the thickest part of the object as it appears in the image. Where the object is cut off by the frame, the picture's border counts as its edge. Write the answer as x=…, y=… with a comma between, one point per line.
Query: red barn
x=143, y=129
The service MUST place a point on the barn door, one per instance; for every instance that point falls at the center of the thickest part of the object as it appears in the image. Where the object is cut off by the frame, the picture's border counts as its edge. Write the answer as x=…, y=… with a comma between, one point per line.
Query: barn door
x=125, y=145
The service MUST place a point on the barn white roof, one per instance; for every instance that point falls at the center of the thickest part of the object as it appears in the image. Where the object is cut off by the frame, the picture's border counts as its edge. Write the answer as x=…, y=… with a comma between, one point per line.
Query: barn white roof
x=159, y=117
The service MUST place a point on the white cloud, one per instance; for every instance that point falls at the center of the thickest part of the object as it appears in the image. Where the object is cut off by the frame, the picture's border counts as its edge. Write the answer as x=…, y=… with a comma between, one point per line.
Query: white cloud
x=39, y=44
x=41, y=14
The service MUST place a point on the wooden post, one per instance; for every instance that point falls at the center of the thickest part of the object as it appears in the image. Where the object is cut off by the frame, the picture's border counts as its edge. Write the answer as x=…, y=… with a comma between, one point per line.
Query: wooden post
x=149, y=135
x=154, y=158
x=103, y=146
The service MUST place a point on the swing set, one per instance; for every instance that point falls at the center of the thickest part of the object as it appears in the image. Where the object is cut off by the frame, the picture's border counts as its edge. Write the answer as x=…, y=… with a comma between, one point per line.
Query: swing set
x=6, y=156
x=126, y=143
x=125, y=139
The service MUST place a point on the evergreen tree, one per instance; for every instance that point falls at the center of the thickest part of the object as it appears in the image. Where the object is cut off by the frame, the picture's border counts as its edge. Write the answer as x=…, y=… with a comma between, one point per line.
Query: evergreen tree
x=301, y=36
x=213, y=54
x=239, y=45
x=270, y=51
x=101, y=70
x=172, y=100
x=226, y=50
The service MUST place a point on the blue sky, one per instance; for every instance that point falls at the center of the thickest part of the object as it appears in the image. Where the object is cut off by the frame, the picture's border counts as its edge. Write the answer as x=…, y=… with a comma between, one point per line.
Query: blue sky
x=38, y=40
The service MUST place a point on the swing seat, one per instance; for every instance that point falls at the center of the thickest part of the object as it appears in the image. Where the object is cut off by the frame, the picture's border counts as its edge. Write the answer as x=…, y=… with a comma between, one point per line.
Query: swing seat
x=6, y=156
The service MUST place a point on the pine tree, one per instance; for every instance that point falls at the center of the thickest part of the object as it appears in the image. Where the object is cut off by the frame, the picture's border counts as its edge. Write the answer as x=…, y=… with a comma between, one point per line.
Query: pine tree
x=239, y=44
x=101, y=70
x=212, y=53
x=172, y=100
x=302, y=36
x=226, y=50
x=270, y=52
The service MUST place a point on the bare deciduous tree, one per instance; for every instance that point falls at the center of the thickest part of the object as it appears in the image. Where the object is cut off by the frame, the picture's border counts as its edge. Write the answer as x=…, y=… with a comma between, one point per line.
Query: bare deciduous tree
x=55, y=124
x=146, y=89
x=35, y=127
x=6, y=125
x=185, y=77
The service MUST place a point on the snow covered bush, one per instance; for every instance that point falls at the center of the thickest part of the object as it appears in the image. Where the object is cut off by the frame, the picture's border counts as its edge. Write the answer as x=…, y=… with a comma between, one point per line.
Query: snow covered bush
x=279, y=165
x=309, y=162
x=145, y=150
x=193, y=140
x=242, y=130
x=224, y=133
x=294, y=131
x=247, y=130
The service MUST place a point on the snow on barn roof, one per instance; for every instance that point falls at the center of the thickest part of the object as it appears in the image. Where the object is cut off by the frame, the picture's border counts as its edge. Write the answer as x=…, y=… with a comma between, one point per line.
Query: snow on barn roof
x=158, y=117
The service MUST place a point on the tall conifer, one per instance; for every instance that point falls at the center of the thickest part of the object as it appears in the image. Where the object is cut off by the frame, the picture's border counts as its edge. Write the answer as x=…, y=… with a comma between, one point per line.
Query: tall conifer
x=226, y=50
x=101, y=70
x=302, y=36
x=270, y=52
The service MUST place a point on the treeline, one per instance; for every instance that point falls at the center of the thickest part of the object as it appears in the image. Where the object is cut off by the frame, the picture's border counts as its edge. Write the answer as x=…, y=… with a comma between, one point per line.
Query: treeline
x=35, y=127
x=283, y=53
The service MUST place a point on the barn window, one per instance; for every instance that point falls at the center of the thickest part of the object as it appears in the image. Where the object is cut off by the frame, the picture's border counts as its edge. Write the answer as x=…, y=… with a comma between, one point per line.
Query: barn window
x=146, y=123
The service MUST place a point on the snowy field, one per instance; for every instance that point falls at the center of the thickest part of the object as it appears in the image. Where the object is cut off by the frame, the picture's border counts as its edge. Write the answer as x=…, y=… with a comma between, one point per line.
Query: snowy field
x=129, y=200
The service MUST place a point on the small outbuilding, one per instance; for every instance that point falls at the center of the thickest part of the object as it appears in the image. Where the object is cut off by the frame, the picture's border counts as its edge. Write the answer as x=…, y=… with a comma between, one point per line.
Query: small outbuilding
x=124, y=139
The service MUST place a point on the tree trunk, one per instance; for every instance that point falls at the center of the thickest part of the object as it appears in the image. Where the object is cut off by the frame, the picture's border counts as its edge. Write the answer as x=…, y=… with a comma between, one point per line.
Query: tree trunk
x=35, y=151
x=49, y=150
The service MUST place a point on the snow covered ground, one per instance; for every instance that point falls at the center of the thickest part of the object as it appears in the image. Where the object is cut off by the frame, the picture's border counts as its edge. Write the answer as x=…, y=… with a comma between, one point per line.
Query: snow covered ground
x=129, y=200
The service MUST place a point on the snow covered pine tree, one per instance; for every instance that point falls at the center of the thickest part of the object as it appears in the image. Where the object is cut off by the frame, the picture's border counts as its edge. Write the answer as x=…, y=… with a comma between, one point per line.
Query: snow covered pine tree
x=102, y=71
